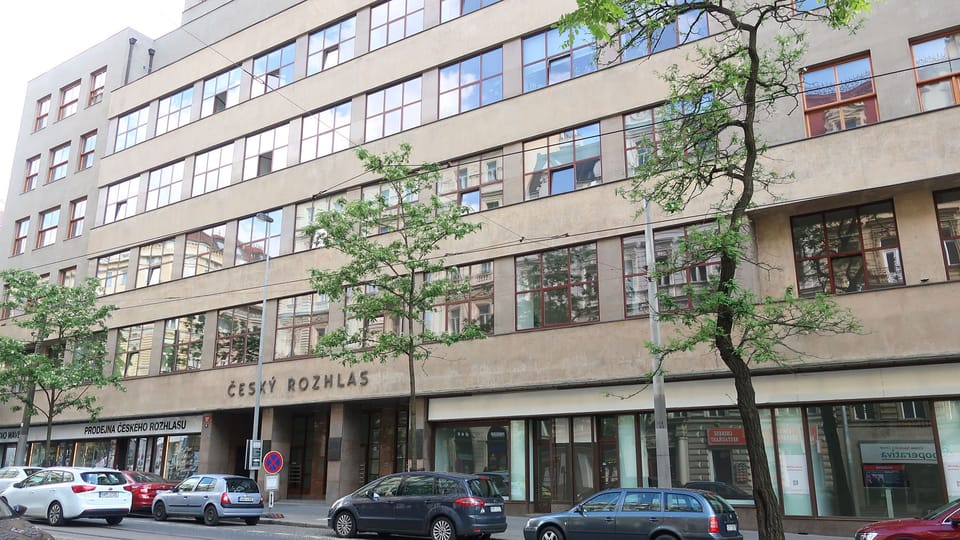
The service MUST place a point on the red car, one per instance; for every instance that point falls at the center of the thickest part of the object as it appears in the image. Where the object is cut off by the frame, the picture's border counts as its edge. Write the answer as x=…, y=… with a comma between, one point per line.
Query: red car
x=940, y=524
x=144, y=486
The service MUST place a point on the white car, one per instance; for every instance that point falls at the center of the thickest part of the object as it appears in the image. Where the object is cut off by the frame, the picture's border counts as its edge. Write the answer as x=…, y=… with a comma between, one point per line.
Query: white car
x=58, y=494
x=10, y=475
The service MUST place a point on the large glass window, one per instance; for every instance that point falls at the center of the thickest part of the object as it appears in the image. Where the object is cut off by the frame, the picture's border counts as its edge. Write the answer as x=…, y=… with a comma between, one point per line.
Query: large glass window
x=212, y=169
x=121, y=199
x=134, y=345
x=562, y=162
x=255, y=237
x=156, y=263
x=238, y=335
x=183, y=457
x=393, y=109
x=301, y=321
x=96, y=453
x=475, y=183
x=475, y=306
x=557, y=287
x=476, y=449
x=112, y=272
x=220, y=92
x=182, y=343
x=451, y=9
x=273, y=70
x=174, y=111
x=204, y=251
x=948, y=217
x=642, y=133
x=305, y=216
x=938, y=70
x=59, y=162
x=163, y=185
x=394, y=20
x=265, y=152
x=331, y=46
x=839, y=96
x=325, y=132
x=547, y=59
x=132, y=129
x=688, y=27
x=847, y=250
x=471, y=83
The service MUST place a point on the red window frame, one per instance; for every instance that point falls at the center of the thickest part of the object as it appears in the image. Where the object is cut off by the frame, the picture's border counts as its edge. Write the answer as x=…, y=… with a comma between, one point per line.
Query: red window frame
x=827, y=108
x=59, y=163
x=98, y=81
x=78, y=213
x=21, y=234
x=67, y=277
x=407, y=107
x=947, y=204
x=47, y=232
x=32, y=177
x=565, y=286
x=69, y=100
x=43, y=113
x=299, y=314
x=235, y=347
x=481, y=292
x=88, y=147
x=938, y=71
x=453, y=93
x=584, y=163
x=388, y=17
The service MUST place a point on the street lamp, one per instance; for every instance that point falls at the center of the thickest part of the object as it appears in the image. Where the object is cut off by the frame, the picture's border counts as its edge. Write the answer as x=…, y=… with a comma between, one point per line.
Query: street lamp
x=262, y=216
x=661, y=434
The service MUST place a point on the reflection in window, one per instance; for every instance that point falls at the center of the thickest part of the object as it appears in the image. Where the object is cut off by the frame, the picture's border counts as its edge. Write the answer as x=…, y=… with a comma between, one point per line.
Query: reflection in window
x=689, y=26
x=938, y=71
x=204, y=251
x=32, y=174
x=273, y=70
x=475, y=183
x=156, y=263
x=393, y=109
x=839, y=96
x=47, y=229
x=98, y=81
x=265, y=152
x=59, y=161
x=557, y=287
x=306, y=212
x=69, y=100
x=331, y=46
x=394, y=20
x=182, y=343
x=562, y=162
x=301, y=321
x=451, y=9
x=548, y=60
x=473, y=307
x=163, y=185
x=21, y=232
x=183, y=456
x=325, y=132
x=220, y=92
x=255, y=237
x=43, y=113
x=471, y=83
x=88, y=145
x=238, y=335
x=112, y=272
x=386, y=195
x=212, y=170
x=121, y=199
x=174, y=111
x=134, y=345
x=847, y=250
x=948, y=218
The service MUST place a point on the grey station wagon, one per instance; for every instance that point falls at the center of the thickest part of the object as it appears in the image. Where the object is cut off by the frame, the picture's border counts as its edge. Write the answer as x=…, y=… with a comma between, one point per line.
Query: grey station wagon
x=210, y=498
x=641, y=514
x=441, y=506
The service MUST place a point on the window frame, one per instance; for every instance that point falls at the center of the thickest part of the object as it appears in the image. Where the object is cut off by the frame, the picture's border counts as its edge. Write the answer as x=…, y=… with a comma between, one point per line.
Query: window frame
x=329, y=128
x=542, y=288
x=949, y=235
x=173, y=111
x=31, y=178
x=164, y=185
x=155, y=263
x=452, y=189
x=192, y=252
x=555, y=143
x=98, y=82
x=479, y=293
x=202, y=170
x=126, y=206
x=69, y=100
x=132, y=128
x=260, y=160
x=78, y=214
x=176, y=352
x=59, y=163
x=315, y=322
x=227, y=341
x=951, y=77
x=391, y=18
x=579, y=43
x=266, y=78
x=67, y=277
x=221, y=91
x=144, y=332
x=653, y=45
x=869, y=98
x=325, y=51
x=88, y=148
x=115, y=262
x=378, y=115
x=447, y=8
x=471, y=86
x=47, y=230
x=250, y=240
x=21, y=236
x=42, y=116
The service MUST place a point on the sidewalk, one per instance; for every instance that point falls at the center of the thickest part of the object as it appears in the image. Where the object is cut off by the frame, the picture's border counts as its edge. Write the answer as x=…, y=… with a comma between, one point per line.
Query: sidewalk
x=314, y=514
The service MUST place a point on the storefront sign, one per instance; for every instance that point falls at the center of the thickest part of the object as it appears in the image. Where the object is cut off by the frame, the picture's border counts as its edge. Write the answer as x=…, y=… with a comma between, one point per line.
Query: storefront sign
x=177, y=425
x=9, y=434
x=298, y=385
x=726, y=437
x=898, y=452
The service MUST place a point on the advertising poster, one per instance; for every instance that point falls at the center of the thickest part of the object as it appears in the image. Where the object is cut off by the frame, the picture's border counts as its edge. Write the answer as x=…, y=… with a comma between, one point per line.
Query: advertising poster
x=794, y=472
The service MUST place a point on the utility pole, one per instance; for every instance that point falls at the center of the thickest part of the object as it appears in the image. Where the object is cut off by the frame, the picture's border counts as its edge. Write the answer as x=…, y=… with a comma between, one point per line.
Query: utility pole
x=664, y=479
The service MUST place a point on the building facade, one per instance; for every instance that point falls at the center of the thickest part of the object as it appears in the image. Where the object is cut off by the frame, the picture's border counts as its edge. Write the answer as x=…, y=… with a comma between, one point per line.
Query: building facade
x=249, y=109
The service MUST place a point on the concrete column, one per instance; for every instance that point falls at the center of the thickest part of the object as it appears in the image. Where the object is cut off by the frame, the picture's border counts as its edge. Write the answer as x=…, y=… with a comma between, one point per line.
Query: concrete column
x=504, y=276
x=346, y=450
x=275, y=428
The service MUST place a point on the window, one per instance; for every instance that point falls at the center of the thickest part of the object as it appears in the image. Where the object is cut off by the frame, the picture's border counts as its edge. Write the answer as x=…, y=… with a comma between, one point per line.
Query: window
x=864, y=411
x=331, y=46
x=390, y=213
x=394, y=20
x=451, y=9
x=367, y=330
x=131, y=129
x=78, y=213
x=182, y=343
x=688, y=27
x=546, y=59
x=220, y=92
x=21, y=232
x=156, y=263
x=47, y=231
x=325, y=132
x=306, y=212
x=212, y=170
x=122, y=200
x=301, y=321
x=112, y=272
x=393, y=109
x=808, y=5
x=938, y=71
x=43, y=113
x=174, y=111
x=684, y=273
x=914, y=410
x=273, y=70
x=59, y=160
x=134, y=345
x=474, y=183
x=69, y=100
x=642, y=133
x=238, y=335
x=847, y=250
x=67, y=277
x=32, y=174
x=265, y=152
x=562, y=162
x=163, y=185
x=839, y=96
x=471, y=83
x=557, y=287
x=476, y=306
x=948, y=217
x=88, y=145
x=254, y=238
x=98, y=80
x=204, y=251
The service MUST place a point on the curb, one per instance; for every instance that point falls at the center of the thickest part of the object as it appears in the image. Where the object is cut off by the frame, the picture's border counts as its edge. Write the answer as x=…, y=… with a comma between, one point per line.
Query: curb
x=272, y=520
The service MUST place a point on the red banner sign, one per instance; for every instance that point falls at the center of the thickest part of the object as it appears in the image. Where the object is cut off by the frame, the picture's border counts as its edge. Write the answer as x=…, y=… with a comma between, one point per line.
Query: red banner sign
x=726, y=437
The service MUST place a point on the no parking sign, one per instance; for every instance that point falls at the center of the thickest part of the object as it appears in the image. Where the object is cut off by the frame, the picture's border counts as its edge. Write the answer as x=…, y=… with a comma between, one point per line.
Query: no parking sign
x=273, y=462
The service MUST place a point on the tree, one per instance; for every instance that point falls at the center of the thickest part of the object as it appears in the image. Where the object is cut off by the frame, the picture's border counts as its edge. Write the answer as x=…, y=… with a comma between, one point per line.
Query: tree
x=707, y=144
x=64, y=359
x=393, y=278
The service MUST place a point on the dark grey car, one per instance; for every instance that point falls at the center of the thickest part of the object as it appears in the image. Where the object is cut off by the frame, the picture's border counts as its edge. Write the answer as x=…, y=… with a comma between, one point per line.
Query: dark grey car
x=640, y=514
x=439, y=505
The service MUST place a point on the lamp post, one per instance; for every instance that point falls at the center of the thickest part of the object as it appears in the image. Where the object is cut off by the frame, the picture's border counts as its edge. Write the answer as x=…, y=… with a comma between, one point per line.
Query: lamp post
x=659, y=398
x=263, y=313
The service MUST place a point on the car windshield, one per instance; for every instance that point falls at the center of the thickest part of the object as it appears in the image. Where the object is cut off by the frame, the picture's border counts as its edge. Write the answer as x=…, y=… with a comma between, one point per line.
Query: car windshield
x=936, y=511
x=146, y=478
x=719, y=504
x=103, y=478
x=483, y=487
x=241, y=485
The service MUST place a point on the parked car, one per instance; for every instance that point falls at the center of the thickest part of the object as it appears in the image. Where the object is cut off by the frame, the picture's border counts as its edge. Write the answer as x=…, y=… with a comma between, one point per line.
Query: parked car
x=144, y=486
x=722, y=489
x=14, y=527
x=210, y=498
x=641, y=513
x=438, y=505
x=59, y=494
x=939, y=523
x=12, y=475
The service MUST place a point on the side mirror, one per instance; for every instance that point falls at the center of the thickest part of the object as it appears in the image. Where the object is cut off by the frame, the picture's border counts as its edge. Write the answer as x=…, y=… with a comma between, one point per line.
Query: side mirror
x=19, y=510
x=374, y=495
x=579, y=509
x=175, y=489
x=955, y=521
x=18, y=485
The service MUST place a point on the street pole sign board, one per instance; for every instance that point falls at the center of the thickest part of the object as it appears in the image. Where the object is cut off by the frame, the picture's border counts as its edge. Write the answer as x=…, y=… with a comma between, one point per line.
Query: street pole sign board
x=273, y=462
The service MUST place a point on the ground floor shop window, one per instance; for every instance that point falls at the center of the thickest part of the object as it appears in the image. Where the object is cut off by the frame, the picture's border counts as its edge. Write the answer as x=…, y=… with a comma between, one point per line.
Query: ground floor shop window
x=482, y=449
x=948, y=427
x=61, y=453
x=183, y=456
x=96, y=453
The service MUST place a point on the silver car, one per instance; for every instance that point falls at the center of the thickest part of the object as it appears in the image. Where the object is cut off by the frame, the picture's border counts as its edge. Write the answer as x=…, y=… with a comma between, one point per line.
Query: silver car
x=211, y=497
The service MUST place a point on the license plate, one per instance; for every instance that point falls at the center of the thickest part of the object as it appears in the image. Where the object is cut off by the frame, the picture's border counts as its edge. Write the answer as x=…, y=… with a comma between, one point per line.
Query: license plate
x=496, y=509
x=246, y=499
x=109, y=494
x=731, y=526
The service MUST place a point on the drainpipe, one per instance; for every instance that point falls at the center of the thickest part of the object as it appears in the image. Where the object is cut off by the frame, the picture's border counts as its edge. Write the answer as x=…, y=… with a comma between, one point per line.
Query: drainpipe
x=126, y=72
x=151, y=52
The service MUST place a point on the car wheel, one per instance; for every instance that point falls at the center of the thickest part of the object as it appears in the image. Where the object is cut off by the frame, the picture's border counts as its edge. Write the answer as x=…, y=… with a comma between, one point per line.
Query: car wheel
x=210, y=515
x=55, y=514
x=160, y=511
x=114, y=520
x=442, y=529
x=251, y=520
x=344, y=525
x=550, y=533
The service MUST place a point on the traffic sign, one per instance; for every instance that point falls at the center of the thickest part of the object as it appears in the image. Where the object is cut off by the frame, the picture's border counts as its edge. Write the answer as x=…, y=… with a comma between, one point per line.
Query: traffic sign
x=273, y=462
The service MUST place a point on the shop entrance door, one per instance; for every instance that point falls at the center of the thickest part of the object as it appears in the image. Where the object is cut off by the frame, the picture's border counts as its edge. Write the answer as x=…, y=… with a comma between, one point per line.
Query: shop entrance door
x=307, y=461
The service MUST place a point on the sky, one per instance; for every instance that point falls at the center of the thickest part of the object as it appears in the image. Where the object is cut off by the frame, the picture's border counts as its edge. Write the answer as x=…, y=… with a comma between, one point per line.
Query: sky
x=40, y=34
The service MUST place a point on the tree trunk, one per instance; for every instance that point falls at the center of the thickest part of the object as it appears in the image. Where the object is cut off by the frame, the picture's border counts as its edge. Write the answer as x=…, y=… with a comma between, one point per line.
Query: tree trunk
x=47, y=461
x=412, y=418
x=20, y=458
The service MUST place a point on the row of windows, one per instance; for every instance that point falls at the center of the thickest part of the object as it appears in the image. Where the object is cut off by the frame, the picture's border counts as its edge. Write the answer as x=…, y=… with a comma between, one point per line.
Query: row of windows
x=48, y=223
x=59, y=162
x=69, y=102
